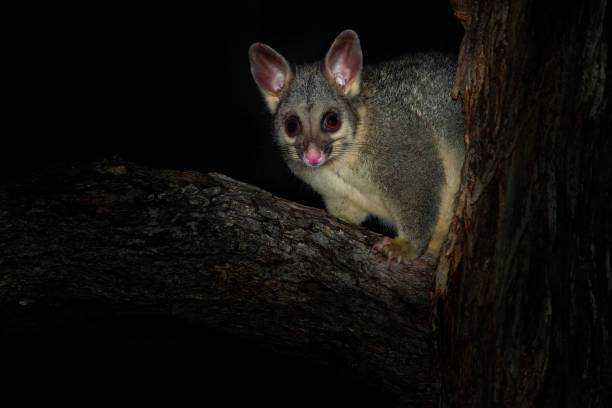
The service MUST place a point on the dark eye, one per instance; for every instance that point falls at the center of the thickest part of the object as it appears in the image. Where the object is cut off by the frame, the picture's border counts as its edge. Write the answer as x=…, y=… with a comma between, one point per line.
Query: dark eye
x=331, y=122
x=293, y=126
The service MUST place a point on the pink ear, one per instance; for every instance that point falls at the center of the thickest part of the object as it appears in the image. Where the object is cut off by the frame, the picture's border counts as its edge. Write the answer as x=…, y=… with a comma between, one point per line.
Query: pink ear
x=344, y=59
x=269, y=68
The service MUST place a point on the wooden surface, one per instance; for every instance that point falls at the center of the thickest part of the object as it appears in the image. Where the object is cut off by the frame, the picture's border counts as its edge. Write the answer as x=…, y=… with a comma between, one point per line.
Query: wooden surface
x=89, y=237
x=524, y=285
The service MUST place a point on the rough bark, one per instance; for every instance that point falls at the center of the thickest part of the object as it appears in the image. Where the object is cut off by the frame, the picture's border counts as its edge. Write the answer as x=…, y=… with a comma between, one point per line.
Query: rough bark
x=84, y=238
x=523, y=288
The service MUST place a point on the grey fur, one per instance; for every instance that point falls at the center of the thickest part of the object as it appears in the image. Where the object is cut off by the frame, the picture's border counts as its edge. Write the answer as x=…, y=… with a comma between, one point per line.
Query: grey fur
x=393, y=127
x=411, y=100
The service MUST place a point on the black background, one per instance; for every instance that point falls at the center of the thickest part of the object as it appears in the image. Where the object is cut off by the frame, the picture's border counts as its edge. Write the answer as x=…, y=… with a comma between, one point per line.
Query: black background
x=170, y=87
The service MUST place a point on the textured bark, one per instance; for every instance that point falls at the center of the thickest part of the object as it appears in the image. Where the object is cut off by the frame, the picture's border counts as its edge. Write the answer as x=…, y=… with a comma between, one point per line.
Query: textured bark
x=461, y=9
x=524, y=287
x=110, y=235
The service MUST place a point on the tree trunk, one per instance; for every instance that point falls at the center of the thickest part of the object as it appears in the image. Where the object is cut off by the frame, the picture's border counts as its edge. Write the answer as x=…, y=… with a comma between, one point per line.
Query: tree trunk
x=118, y=237
x=523, y=289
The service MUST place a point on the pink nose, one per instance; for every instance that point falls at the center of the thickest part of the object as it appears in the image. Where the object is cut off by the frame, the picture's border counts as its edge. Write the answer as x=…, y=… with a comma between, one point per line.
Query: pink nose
x=313, y=156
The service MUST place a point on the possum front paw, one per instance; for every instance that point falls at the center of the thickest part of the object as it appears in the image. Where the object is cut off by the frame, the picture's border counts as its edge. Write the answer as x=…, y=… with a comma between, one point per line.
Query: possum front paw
x=398, y=249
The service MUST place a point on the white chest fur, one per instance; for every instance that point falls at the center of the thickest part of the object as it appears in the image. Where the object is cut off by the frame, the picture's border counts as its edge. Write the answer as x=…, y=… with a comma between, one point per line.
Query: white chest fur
x=343, y=183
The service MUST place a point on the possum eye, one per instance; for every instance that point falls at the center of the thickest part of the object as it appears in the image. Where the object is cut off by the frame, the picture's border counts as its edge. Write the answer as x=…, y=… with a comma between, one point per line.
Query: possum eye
x=331, y=122
x=293, y=127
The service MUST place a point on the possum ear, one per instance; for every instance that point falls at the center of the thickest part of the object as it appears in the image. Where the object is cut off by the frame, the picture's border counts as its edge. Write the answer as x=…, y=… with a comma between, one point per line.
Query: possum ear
x=270, y=71
x=343, y=62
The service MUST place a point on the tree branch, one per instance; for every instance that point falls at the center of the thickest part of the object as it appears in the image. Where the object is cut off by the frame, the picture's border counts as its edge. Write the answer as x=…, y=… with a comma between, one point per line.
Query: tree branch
x=210, y=249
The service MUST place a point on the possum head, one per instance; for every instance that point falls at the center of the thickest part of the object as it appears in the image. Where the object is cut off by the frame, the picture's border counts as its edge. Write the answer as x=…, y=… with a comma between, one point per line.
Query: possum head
x=314, y=118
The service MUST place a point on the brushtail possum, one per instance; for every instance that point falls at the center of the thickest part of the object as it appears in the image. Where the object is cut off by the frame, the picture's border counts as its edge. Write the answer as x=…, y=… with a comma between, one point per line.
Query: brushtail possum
x=383, y=140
